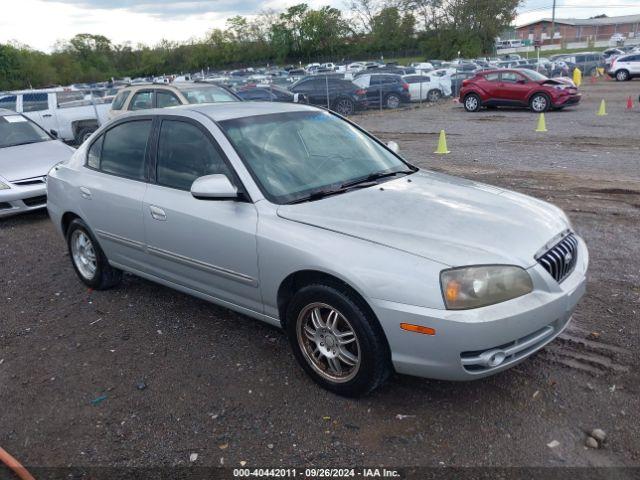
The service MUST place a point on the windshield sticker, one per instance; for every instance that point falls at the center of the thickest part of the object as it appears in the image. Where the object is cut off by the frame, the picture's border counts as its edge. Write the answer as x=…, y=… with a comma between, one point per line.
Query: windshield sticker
x=14, y=118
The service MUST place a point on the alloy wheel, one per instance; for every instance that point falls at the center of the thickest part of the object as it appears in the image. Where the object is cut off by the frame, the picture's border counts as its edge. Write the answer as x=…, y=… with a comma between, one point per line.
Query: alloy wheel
x=344, y=107
x=393, y=101
x=83, y=253
x=434, y=96
x=539, y=103
x=471, y=103
x=328, y=342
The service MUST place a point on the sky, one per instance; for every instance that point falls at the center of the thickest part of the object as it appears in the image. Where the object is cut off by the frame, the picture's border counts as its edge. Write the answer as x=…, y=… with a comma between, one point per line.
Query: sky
x=40, y=23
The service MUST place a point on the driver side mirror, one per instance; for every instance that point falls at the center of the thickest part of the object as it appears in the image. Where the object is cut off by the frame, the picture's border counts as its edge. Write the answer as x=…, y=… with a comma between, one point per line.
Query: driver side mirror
x=54, y=133
x=393, y=146
x=214, y=187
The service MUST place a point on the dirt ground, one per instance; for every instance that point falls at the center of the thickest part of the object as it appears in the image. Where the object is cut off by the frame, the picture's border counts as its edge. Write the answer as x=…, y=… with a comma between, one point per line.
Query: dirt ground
x=144, y=376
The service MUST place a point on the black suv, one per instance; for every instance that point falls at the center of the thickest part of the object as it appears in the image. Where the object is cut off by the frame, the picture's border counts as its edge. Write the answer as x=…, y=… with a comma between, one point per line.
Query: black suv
x=269, y=93
x=339, y=95
x=384, y=89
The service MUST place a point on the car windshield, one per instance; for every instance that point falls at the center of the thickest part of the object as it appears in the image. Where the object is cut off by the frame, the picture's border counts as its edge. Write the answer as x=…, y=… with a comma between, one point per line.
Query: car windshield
x=296, y=155
x=535, y=76
x=17, y=130
x=207, y=94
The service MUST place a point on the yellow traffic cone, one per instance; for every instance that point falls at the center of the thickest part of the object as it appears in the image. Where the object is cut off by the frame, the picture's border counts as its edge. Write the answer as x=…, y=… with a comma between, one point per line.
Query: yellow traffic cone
x=602, y=111
x=542, y=125
x=442, y=144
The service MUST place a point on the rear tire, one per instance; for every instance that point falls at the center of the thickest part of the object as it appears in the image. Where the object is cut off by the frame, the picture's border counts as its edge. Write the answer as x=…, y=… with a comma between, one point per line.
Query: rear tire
x=622, y=75
x=392, y=101
x=344, y=106
x=336, y=341
x=83, y=134
x=539, y=102
x=434, y=95
x=472, y=102
x=88, y=259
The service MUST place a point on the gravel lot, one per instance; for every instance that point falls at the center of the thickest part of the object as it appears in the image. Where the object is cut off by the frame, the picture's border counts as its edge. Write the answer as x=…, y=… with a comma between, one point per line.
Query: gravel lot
x=181, y=376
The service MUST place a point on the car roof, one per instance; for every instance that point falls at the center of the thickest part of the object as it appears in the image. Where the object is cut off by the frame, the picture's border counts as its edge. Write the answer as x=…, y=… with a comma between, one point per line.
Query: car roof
x=221, y=111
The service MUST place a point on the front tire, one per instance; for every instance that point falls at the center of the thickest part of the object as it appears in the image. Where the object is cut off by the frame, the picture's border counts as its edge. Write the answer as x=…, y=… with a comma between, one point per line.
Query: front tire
x=83, y=134
x=539, y=103
x=472, y=102
x=88, y=259
x=336, y=341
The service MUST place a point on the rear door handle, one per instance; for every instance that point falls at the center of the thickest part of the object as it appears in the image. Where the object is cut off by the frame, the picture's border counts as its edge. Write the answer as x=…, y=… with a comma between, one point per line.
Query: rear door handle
x=157, y=213
x=47, y=115
x=85, y=192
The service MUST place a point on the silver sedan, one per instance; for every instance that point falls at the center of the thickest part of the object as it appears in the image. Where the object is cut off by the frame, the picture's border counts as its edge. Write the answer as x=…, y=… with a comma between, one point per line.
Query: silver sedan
x=297, y=217
x=27, y=153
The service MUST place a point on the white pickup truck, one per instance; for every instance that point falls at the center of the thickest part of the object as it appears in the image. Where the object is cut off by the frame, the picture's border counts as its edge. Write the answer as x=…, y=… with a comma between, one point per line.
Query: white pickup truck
x=66, y=114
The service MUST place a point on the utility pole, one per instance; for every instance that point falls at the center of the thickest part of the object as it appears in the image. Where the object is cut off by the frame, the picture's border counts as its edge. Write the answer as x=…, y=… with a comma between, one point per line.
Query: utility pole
x=553, y=22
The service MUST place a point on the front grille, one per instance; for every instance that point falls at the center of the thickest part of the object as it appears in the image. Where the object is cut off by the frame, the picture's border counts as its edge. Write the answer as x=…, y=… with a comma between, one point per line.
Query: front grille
x=561, y=259
x=33, y=201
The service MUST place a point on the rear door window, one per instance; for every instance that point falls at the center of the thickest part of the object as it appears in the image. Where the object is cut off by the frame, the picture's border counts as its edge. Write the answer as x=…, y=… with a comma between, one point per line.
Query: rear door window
x=492, y=77
x=124, y=148
x=164, y=98
x=141, y=101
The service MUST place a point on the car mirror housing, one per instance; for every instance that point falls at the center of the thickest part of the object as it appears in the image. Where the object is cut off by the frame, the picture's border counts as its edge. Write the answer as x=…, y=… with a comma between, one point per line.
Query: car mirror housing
x=54, y=133
x=393, y=146
x=214, y=187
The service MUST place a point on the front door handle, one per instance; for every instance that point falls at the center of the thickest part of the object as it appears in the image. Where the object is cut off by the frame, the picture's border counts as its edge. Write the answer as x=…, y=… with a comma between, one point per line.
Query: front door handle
x=46, y=115
x=157, y=213
x=85, y=193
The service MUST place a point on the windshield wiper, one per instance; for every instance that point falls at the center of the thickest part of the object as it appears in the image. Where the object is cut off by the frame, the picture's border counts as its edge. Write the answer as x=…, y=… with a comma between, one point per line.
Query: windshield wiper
x=370, y=180
x=318, y=195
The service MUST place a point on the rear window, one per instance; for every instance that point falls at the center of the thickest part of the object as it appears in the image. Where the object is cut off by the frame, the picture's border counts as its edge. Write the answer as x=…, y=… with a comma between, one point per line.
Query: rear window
x=207, y=94
x=118, y=102
x=35, y=102
x=8, y=102
x=492, y=77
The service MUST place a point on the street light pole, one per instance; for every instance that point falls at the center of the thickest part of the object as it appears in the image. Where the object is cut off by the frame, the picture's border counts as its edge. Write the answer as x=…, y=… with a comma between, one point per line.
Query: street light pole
x=553, y=22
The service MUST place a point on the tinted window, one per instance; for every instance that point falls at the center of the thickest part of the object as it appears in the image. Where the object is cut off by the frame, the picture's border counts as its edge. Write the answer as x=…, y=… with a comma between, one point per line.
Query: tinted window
x=184, y=154
x=93, y=157
x=118, y=102
x=141, y=101
x=255, y=94
x=124, y=149
x=8, y=102
x=35, y=102
x=166, y=99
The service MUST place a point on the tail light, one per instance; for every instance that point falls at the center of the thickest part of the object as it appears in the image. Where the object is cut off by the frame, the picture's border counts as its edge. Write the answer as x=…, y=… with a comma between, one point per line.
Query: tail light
x=361, y=91
x=405, y=86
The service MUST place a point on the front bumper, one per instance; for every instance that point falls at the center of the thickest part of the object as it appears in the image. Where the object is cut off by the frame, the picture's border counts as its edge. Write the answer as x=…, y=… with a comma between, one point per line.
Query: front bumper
x=20, y=199
x=466, y=340
x=567, y=100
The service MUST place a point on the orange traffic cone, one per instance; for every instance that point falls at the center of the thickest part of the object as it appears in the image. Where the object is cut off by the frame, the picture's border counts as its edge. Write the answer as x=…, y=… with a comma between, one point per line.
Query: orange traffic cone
x=629, y=103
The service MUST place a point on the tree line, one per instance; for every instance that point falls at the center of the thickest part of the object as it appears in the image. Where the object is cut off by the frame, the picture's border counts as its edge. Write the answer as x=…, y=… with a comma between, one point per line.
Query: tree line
x=366, y=29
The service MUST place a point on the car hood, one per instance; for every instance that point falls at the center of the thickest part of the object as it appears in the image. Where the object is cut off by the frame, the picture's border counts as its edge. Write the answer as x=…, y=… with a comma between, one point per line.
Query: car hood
x=33, y=159
x=446, y=219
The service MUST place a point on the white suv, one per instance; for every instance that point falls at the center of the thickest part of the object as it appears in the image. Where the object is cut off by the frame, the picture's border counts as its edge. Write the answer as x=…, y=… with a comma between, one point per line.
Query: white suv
x=625, y=67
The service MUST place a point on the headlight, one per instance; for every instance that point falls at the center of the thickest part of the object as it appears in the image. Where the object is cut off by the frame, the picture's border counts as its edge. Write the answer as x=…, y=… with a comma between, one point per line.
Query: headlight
x=4, y=186
x=473, y=287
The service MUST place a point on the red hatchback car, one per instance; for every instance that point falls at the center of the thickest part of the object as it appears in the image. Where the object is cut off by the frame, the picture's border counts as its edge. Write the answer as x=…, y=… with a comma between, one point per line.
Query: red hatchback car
x=517, y=88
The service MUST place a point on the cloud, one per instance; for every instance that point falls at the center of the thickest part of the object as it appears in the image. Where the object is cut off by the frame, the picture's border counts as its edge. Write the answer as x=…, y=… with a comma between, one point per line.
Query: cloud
x=171, y=9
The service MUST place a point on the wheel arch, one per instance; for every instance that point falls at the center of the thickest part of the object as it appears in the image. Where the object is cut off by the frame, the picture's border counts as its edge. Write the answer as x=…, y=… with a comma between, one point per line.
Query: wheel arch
x=66, y=220
x=301, y=278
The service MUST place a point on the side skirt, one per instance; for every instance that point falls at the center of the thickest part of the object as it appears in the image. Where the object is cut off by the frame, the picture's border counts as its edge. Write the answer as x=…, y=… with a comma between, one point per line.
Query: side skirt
x=209, y=298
